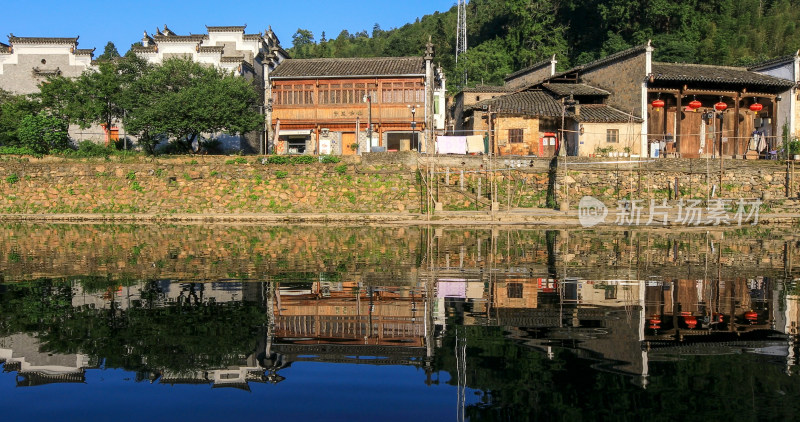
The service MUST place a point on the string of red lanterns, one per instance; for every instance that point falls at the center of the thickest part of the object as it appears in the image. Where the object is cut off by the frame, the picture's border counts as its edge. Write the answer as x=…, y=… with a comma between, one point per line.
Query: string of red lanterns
x=695, y=104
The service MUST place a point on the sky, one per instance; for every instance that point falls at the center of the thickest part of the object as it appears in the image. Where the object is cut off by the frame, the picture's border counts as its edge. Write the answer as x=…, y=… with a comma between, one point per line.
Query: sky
x=123, y=22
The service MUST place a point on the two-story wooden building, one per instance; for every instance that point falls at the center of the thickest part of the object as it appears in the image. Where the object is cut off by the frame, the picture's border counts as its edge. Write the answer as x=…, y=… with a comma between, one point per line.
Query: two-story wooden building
x=326, y=106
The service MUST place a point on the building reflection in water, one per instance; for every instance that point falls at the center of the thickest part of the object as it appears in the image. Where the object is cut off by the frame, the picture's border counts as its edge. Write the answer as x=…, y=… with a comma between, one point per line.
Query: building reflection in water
x=624, y=323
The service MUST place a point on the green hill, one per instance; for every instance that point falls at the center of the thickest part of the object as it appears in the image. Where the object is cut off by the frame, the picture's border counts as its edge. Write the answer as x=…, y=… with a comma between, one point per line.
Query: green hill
x=508, y=35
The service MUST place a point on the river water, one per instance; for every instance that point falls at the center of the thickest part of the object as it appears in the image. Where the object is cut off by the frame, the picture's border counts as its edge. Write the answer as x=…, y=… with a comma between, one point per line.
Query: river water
x=127, y=322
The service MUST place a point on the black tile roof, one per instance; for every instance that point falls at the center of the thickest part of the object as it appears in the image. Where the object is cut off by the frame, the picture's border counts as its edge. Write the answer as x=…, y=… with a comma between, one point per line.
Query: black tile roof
x=41, y=40
x=567, y=89
x=143, y=49
x=4, y=48
x=774, y=61
x=350, y=67
x=601, y=113
x=210, y=49
x=180, y=38
x=487, y=88
x=676, y=72
x=232, y=59
x=225, y=28
x=537, y=103
x=85, y=51
x=534, y=103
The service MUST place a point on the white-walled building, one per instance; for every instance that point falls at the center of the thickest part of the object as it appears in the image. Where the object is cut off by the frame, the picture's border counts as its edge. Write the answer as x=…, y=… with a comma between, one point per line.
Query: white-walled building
x=252, y=56
x=25, y=62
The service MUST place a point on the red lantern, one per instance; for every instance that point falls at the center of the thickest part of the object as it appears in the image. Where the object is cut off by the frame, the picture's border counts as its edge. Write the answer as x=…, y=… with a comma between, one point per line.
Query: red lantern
x=756, y=107
x=751, y=316
x=694, y=105
x=691, y=322
x=720, y=106
x=659, y=103
x=655, y=327
x=655, y=320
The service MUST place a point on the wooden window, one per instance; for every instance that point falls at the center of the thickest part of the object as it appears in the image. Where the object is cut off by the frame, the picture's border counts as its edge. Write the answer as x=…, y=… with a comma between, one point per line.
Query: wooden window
x=612, y=136
x=293, y=94
x=514, y=290
x=516, y=136
x=403, y=92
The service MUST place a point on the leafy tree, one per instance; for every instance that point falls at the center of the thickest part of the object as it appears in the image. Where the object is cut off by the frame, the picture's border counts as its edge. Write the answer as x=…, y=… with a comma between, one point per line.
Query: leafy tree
x=181, y=100
x=42, y=133
x=14, y=108
x=110, y=52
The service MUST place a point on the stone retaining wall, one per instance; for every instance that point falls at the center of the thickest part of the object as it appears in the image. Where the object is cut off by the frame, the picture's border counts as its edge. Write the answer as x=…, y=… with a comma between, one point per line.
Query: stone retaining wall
x=375, y=183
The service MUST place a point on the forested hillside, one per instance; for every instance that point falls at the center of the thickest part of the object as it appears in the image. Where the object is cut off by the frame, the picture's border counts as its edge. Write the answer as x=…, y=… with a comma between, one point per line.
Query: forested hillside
x=507, y=35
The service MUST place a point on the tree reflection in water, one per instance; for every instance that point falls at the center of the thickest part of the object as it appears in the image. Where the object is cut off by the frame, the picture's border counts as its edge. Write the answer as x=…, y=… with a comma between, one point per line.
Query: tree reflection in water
x=548, y=325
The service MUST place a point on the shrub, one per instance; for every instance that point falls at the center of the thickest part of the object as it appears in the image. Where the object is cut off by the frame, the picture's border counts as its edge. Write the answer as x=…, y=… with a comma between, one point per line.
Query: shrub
x=281, y=174
x=42, y=133
x=329, y=159
x=18, y=151
x=302, y=159
x=130, y=176
x=12, y=178
x=278, y=159
x=341, y=169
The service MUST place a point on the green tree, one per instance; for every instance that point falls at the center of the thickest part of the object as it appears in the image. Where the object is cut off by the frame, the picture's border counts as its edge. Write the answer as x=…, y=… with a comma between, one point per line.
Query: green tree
x=110, y=52
x=302, y=43
x=181, y=100
x=14, y=108
x=42, y=133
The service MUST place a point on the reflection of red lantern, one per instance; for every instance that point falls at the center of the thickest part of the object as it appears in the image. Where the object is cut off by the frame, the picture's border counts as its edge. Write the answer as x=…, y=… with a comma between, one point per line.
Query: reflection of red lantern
x=751, y=316
x=720, y=106
x=691, y=322
x=718, y=317
x=756, y=107
x=694, y=105
x=659, y=103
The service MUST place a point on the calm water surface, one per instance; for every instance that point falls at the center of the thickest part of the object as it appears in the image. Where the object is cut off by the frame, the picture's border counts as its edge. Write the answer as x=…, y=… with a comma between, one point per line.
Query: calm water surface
x=163, y=322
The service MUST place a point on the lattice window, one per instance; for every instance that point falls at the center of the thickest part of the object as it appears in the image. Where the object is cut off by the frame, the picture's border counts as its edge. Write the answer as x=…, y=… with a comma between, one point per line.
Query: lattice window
x=516, y=136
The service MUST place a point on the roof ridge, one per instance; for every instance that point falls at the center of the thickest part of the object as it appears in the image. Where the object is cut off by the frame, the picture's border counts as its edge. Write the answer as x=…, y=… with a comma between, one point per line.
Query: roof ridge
x=359, y=58
x=701, y=65
x=775, y=60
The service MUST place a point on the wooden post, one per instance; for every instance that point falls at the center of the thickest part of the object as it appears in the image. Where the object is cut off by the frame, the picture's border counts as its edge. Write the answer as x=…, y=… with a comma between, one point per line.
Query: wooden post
x=461, y=180
x=736, y=102
x=678, y=116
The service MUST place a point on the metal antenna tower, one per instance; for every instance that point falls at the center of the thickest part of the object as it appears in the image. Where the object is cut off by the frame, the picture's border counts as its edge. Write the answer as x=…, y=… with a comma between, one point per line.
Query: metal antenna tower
x=461, y=32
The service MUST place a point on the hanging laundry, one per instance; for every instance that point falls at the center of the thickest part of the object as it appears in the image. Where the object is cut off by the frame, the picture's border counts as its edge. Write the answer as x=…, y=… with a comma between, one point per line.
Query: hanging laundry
x=475, y=143
x=451, y=144
x=762, y=143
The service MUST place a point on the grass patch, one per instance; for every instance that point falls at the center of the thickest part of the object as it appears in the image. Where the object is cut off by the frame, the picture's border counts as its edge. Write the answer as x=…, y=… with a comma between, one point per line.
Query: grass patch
x=12, y=178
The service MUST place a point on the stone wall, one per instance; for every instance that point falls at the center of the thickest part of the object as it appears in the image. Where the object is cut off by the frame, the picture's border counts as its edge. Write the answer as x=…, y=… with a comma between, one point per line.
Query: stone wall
x=611, y=181
x=623, y=79
x=374, y=183
x=210, y=185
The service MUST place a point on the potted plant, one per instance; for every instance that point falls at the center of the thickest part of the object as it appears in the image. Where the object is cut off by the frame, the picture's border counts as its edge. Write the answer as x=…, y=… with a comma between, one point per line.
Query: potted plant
x=793, y=148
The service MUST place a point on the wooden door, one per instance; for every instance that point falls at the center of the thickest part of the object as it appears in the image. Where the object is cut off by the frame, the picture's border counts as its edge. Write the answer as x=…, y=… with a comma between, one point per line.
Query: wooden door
x=689, y=142
x=348, y=140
